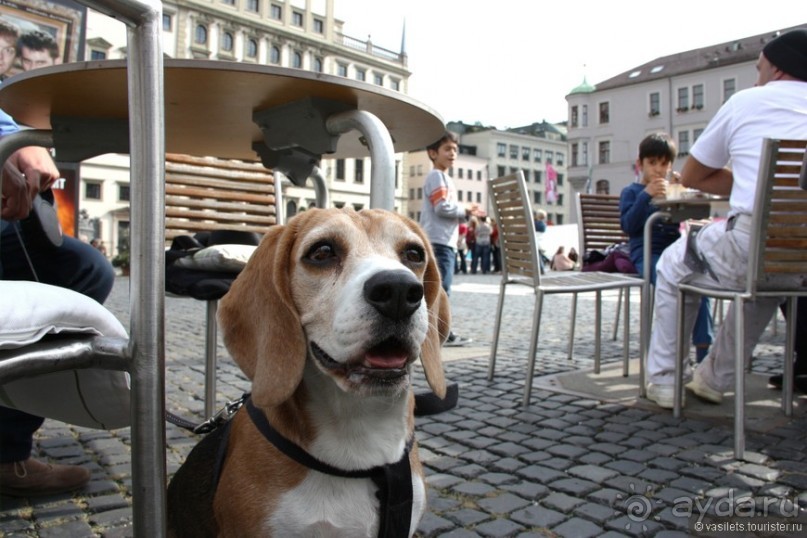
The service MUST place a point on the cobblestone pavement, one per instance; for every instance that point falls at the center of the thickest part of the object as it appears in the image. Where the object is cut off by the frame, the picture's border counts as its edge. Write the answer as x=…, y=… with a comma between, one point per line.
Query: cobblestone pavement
x=564, y=466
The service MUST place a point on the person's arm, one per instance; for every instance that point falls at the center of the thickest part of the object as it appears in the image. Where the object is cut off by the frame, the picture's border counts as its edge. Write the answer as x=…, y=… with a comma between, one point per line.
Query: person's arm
x=443, y=206
x=634, y=209
x=38, y=174
x=696, y=175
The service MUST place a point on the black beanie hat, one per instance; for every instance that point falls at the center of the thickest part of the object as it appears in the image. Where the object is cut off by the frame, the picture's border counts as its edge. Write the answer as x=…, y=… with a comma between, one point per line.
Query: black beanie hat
x=788, y=52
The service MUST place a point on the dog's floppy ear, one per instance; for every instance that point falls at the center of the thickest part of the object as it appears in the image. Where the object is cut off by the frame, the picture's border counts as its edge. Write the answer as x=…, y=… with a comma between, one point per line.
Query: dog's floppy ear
x=260, y=323
x=439, y=320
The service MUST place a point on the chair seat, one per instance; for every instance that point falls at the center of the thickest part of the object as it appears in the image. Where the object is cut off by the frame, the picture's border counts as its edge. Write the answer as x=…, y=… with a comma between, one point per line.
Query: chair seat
x=31, y=313
x=578, y=281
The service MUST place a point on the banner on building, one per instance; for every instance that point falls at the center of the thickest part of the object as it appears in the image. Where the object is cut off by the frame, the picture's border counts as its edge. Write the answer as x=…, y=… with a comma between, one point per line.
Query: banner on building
x=551, y=184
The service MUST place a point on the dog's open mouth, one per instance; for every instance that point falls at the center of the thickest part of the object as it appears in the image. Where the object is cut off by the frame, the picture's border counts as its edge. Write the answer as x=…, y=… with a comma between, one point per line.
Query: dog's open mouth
x=387, y=360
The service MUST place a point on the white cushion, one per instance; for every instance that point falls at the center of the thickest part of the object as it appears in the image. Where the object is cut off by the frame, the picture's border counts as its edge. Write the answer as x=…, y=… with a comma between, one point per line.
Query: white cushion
x=93, y=398
x=230, y=258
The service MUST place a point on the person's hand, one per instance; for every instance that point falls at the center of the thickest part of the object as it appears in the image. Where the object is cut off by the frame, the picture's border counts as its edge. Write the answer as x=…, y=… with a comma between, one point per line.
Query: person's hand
x=27, y=172
x=656, y=187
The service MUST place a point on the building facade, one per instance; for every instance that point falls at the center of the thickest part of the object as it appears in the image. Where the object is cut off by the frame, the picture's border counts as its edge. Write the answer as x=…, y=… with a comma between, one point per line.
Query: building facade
x=301, y=34
x=677, y=94
x=538, y=150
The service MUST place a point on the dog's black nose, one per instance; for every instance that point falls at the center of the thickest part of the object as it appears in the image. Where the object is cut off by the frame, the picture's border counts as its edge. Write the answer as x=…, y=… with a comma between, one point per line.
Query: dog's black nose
x=395, y=294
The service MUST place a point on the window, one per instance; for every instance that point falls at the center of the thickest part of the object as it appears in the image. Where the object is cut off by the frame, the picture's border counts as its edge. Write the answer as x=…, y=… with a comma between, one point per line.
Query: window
x=274, y=54
x=297, y=59
x=92, y=190
x=697, y=96
x=420, y=170
x=227, y=42
x=340, y=169
x=412, y=170
x=297, y=18
x=573, y=119
x=228, y=2
x=378, y=79
x=683, y=99
x=559, y=158
x=358, y=175
x=501, y=171
x=513, y=151
x=459, y=195
x=584, y=119
x=605, y=152
x=200, y=34
x=536, y=197
x=276, y=12
x=526, y=175
x=683, y=143
x=341, y=69
x=123, y=192
x=575, y=152
x=319, y=26
x=501, y=149
x=411, y=194
x=603, y=186
x=252, y=48
x=395, y=84
x=97, y=55
x=605, y=114
x=168, y=22
x=460, y=173
x=559, y=216
x=420, y=193
x=549, y=155
x=537, y=174
x=696, y=133
x=254, y=6
x=584, y=154
x=479, y=198
x=525, y=154
x=318, y=66
x=729, y=87
x=361, y=74
x=655, y=104
x=560, y=180
x=559, y=201
x=479, y=175
x=537, y=155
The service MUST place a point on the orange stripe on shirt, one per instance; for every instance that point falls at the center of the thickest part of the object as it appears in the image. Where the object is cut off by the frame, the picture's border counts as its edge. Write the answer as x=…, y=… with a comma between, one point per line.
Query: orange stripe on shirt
x=437, y=195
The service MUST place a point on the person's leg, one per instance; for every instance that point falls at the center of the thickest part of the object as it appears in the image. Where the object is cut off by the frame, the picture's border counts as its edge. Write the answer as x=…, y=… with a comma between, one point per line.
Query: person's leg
x=799, y=348
x=445, y=258
x=703, y=334
x=485, y=257
x=75, y=265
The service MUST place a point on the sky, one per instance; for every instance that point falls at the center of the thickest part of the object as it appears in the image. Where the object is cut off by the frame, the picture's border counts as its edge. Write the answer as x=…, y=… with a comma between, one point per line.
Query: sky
x=507, y=63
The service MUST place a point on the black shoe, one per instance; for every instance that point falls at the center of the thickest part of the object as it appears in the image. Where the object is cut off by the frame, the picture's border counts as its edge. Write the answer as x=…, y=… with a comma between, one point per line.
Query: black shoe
x=799, y=382
x=455, y=340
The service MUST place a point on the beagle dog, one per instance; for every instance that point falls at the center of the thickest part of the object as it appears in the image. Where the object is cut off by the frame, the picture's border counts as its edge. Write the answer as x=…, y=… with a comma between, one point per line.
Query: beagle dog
x=326, y=320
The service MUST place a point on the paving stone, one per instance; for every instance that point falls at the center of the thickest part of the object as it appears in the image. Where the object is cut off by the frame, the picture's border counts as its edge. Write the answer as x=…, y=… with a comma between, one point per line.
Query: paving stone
x=561, y=502
x=467, y=517
x=574, y=486
x=498, y=527
x=576, y=528
x=597, y=513
x=540, y=473
x=537, y=516
x=476, y=489
x=592, y=473
x=431, y=523
x=503, y=504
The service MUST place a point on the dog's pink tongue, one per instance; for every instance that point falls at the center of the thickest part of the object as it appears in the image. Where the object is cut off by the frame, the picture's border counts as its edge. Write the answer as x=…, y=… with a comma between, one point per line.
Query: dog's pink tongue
x=385, y=360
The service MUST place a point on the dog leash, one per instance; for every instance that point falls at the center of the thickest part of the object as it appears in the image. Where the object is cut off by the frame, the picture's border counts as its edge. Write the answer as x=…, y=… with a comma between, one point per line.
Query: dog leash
x=394, y=480
x=221, y=417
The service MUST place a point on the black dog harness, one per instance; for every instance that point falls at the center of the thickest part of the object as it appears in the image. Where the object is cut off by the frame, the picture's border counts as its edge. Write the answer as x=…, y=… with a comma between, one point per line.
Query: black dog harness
x=394, y=480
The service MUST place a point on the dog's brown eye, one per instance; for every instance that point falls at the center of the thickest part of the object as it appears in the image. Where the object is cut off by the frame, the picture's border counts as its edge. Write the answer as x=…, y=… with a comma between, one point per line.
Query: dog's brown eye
x=414, y=254
x=321, y=253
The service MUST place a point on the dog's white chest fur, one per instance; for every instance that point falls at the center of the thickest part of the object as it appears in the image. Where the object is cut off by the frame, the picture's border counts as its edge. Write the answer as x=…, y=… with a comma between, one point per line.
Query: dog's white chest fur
x=326, y=506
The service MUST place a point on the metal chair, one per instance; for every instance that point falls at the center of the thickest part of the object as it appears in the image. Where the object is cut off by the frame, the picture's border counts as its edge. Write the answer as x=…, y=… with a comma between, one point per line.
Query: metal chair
x=777, y=267
x=204, y=194
x=599, y=229
x=520, y=265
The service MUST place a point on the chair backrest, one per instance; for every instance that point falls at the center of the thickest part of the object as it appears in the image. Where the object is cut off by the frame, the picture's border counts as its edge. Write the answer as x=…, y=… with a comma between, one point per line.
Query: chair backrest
x=513, y=213
x=207, y=194
x=778, y=247
x=599, y=226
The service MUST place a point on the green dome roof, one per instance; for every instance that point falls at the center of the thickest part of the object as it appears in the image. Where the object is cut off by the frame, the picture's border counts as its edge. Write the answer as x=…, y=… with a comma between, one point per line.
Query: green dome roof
x=584, y=87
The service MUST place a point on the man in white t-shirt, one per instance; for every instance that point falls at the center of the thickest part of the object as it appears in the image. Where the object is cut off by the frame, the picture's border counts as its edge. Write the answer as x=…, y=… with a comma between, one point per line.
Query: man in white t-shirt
x=775, y=108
